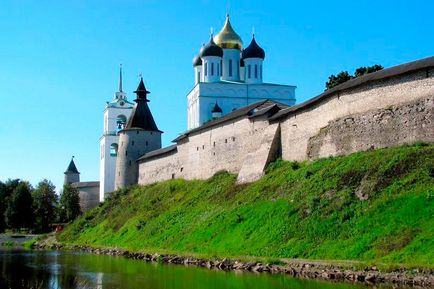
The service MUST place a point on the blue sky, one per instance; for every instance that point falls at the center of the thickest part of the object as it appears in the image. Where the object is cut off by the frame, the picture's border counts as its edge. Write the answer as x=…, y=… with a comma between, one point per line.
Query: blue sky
x=59, y=62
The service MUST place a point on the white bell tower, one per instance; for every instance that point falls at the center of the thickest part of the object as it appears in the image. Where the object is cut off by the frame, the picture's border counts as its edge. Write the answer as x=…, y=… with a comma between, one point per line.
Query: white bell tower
x=116, y=113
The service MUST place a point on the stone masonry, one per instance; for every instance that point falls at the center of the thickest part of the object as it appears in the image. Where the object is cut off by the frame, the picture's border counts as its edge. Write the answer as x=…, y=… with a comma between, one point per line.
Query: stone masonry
x=391, y=107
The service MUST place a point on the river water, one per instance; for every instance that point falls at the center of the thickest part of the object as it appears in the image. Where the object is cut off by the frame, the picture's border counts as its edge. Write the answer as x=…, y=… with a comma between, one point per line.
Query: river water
x=55, y=270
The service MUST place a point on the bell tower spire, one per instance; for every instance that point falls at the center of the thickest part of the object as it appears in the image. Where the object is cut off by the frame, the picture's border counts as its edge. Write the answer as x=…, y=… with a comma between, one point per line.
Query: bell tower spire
x=120, y=94
x=120, y=78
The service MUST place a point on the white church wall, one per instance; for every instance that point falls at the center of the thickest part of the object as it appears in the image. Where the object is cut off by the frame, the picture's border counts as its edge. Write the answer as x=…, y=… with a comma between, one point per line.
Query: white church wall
x=231, y=64
x=232, y=96
x=253, y=70
x=211, y=69
x=109, y=137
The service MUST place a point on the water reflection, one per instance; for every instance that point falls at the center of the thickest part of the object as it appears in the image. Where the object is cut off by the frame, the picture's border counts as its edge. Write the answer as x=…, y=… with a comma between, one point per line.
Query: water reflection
x=54, y=270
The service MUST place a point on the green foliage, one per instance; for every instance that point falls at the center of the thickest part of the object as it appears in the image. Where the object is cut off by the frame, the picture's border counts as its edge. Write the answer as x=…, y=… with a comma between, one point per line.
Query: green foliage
x=6, y=190
x=2, y=206
x=335, y=80
x=375, y=206
x=44, y=205
x=69, y=204
x=365, y=70
x=19, y=213
x=344, y=76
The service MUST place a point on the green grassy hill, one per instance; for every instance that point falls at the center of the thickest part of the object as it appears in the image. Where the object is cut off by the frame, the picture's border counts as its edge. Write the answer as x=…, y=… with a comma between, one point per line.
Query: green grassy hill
x=376, y=205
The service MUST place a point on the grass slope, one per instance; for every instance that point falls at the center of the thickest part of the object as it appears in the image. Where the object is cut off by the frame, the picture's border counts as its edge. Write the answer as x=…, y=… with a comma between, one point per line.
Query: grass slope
x=297, y=210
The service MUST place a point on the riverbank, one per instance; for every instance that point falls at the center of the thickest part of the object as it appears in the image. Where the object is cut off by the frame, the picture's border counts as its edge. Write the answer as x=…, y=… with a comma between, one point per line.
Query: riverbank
x=374, y=208
x=341, y=271
x=15, y=239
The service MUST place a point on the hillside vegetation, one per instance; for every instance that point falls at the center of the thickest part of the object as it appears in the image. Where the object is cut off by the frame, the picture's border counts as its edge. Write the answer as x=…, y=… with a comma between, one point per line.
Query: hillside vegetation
x=376, y=205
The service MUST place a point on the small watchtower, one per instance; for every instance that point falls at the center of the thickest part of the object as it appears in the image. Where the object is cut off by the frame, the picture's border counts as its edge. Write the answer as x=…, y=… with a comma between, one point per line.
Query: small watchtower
x=72, y=175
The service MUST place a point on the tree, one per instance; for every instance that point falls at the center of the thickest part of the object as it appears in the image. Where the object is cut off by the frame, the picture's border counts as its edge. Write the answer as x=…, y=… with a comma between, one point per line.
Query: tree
x=6, y=190
x=2, y=206
x=365, y=70
x=334, y=80
x=19, y=213
x=344, y=76
x=69, y=205
x=44, y=205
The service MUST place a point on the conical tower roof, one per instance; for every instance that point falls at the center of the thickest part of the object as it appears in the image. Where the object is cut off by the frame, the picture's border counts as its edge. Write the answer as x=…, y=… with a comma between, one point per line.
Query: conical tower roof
x=141, y=116
x=71, y=168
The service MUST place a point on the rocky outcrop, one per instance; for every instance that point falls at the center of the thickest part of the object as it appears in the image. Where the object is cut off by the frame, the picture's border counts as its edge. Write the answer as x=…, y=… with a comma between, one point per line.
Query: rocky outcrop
x=295, y=268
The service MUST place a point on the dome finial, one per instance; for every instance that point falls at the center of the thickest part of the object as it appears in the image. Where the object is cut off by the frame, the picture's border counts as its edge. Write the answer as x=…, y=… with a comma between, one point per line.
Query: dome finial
x=253, y=31
x=228, y=8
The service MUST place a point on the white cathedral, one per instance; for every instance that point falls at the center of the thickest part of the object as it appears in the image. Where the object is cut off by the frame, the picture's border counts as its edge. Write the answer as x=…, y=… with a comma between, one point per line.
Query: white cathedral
x=227, y=77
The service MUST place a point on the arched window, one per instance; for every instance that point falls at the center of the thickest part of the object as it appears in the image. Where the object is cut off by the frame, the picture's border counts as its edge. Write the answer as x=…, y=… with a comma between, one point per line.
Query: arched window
x=249, y=68
x=256, y=71
x=121, y=120
x=221, y=65
x=113, y=149
x=212, y=68
x=206, y=69
x=230, y=67
x=218, y=70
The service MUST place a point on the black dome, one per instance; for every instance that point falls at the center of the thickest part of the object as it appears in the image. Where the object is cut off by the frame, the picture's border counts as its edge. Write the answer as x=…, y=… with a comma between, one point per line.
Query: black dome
x=211, y=49
x=216, y=108
x=197, y=61
x=253, y=50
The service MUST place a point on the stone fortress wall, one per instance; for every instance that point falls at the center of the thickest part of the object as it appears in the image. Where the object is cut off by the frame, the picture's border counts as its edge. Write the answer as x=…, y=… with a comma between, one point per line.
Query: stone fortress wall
x=379, y=113
x=202, y=154
x=386, y=108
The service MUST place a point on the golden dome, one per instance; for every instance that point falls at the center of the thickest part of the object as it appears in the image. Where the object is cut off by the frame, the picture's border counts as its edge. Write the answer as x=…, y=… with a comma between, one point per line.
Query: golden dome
x=227, y=37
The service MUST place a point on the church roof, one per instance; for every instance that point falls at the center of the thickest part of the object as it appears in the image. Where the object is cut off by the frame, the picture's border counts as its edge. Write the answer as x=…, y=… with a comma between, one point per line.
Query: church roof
x=71, y=168
x=211, y=49
x=197, y=61
x=253, y=50
x=248, y=110
x=227, y=37
x=141, y=116
x=216, y=108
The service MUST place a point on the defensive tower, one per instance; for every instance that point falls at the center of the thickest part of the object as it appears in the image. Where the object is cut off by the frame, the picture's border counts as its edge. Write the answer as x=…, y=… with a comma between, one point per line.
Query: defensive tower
x=139, y=136
x=72, y=175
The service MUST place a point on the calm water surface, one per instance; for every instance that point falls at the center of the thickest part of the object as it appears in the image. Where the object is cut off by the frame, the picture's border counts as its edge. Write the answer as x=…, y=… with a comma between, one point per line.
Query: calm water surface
x=30, y=269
